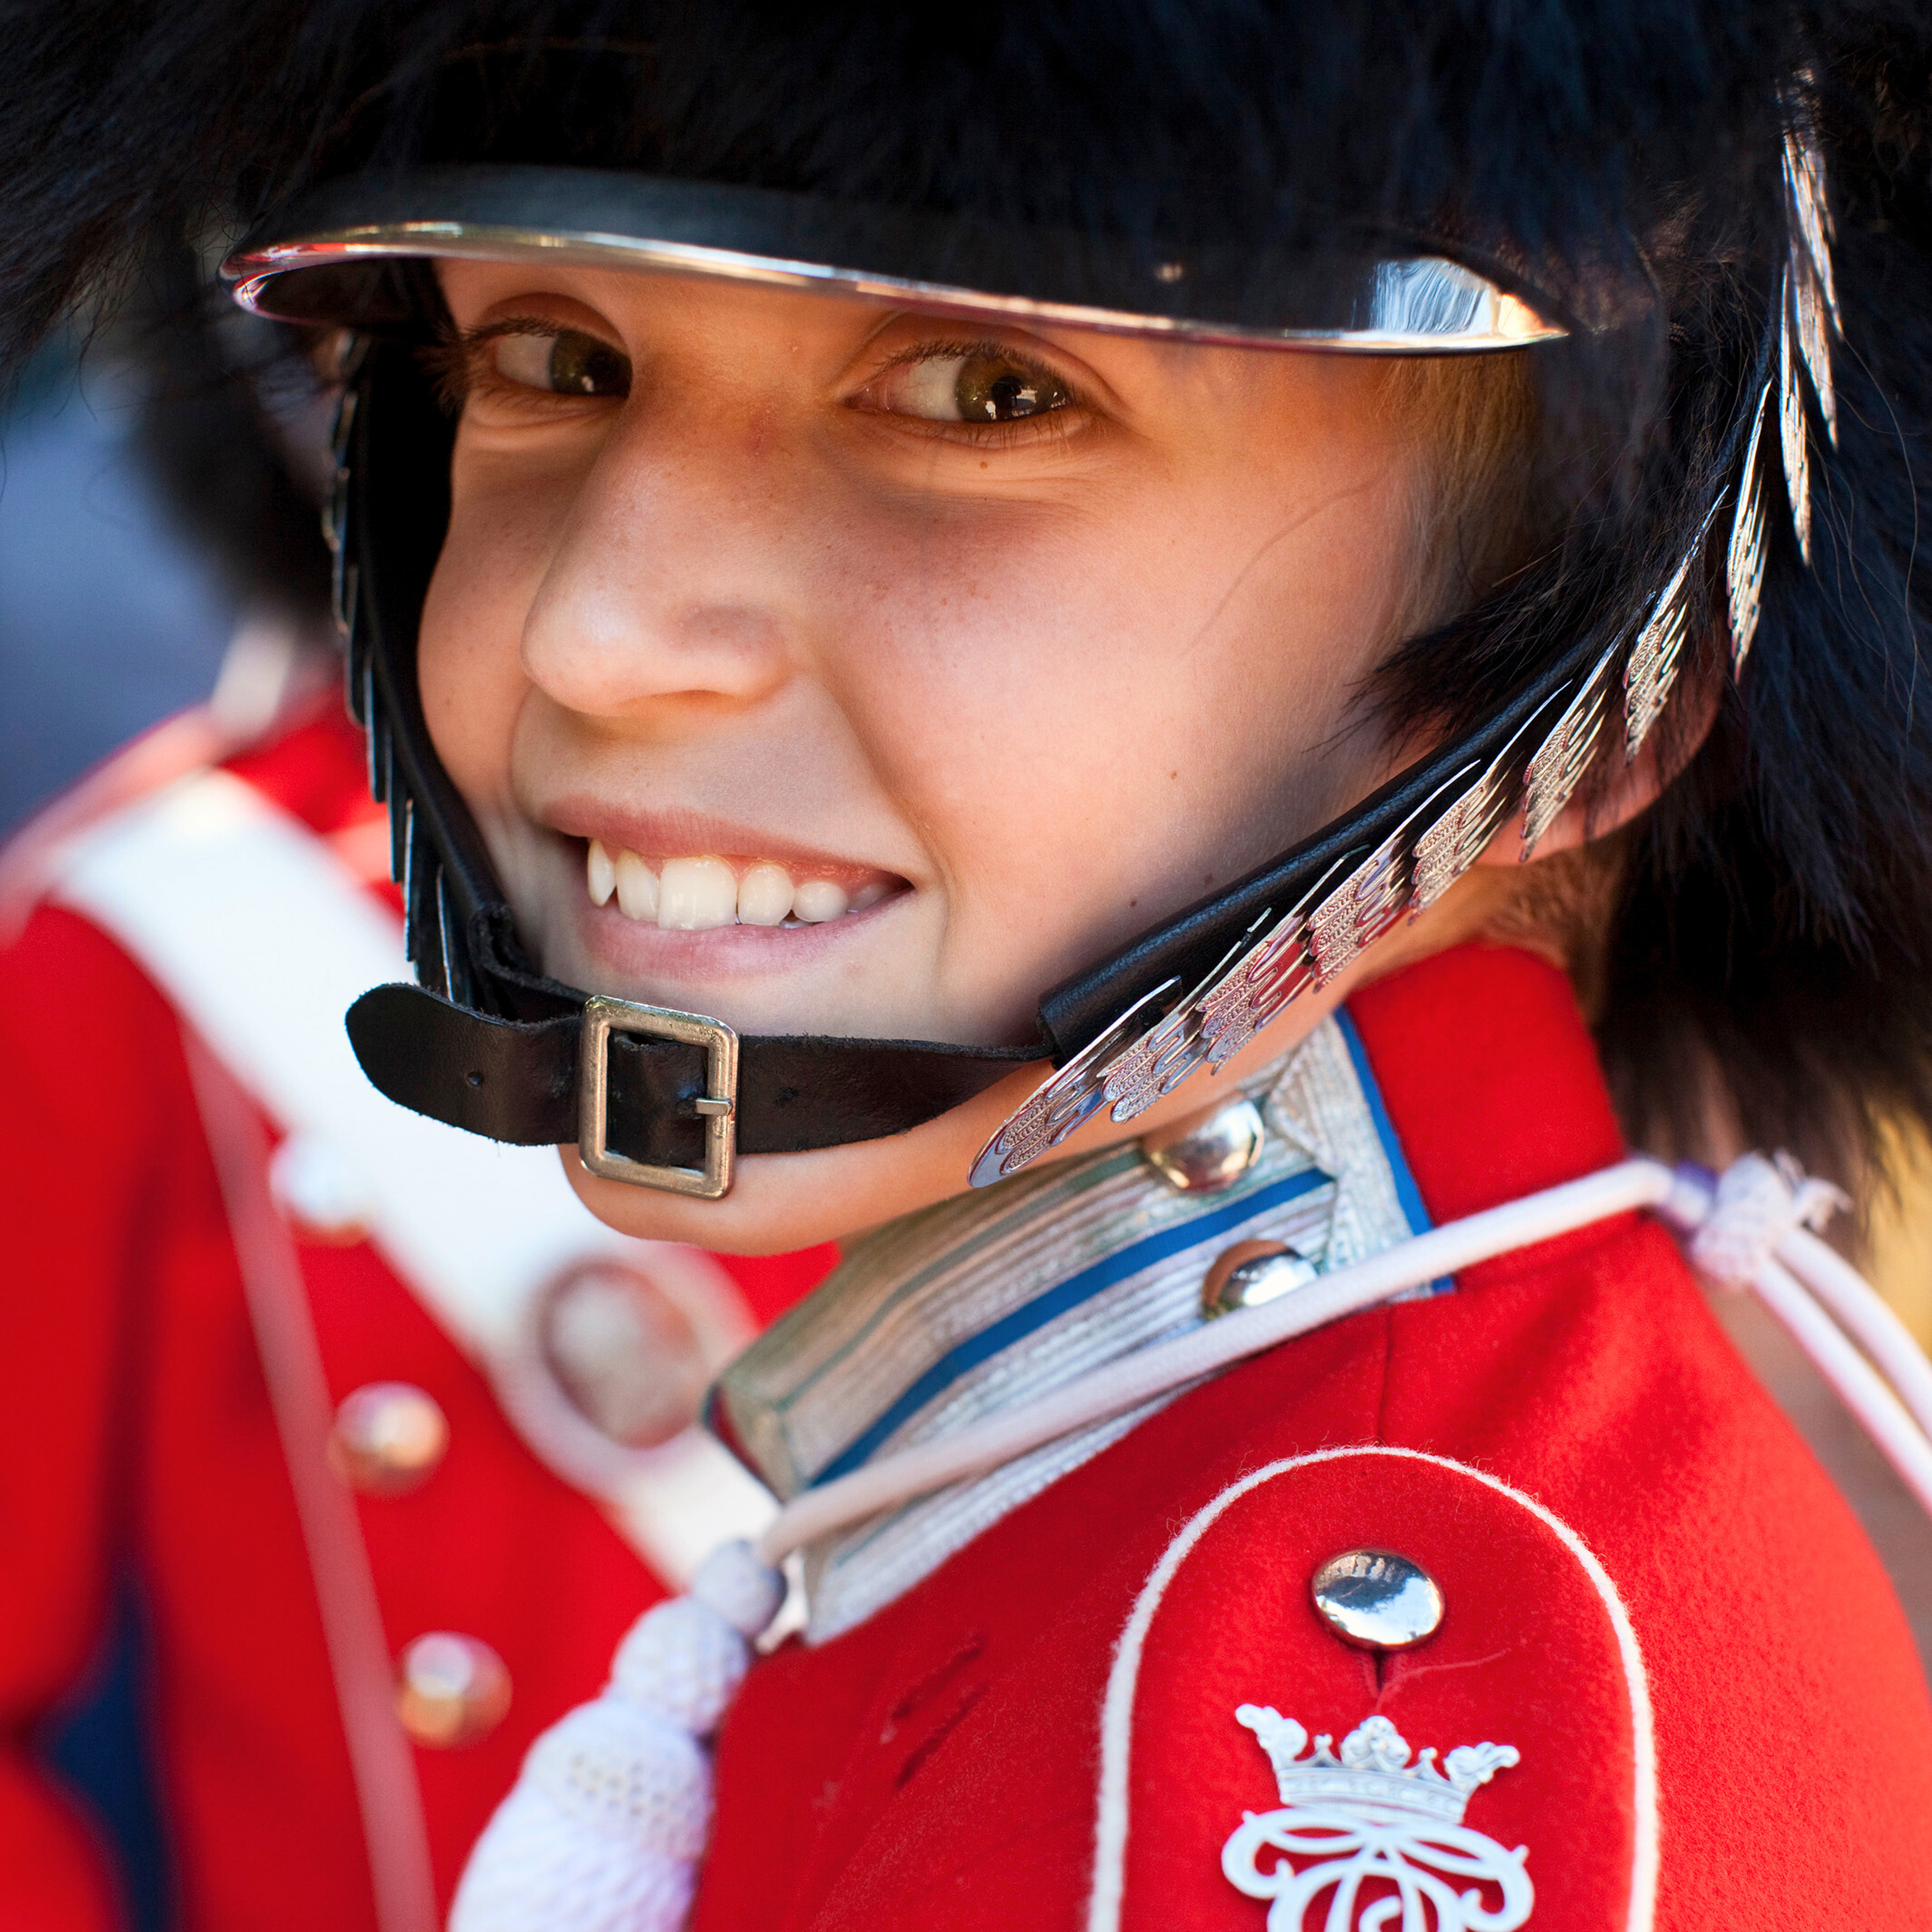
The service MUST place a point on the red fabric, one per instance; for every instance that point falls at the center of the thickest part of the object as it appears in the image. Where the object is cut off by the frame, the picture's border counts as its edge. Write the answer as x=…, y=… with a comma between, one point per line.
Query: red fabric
x=772, y=1283
x=937, y=1766
x=1489, y=1076
x=137, y=1430
x=55, y=1879
x=1526, y=1635
x=315, y=772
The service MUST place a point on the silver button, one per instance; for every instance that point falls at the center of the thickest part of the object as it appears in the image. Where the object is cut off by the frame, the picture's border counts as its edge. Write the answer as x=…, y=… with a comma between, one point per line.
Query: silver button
x=1207, y=1151
x=1377, y=1599
x=450, y=1689
x=320, y=1193
x=387, y=1437
x=1251, y=1272
x=628, y=1357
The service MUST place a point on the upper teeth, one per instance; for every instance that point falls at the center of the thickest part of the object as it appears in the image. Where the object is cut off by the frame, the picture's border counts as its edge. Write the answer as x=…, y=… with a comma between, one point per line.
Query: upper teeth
x=693, y=895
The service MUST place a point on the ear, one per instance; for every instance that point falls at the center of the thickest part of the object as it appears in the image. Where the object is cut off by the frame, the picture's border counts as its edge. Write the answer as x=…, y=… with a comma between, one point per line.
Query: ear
x=1633, y=785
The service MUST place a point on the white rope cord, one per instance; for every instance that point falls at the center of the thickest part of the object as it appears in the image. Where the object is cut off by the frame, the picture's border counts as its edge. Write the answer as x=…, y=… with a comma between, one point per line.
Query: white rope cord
x=1858, y=1309
x=1749, y=1231
x=1169, y=1365
x=607, y=1824
x=1899, y=1439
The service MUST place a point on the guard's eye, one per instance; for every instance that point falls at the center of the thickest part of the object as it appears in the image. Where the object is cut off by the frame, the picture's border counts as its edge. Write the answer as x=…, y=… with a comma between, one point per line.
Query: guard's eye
x=983, y=384
x=564, y=362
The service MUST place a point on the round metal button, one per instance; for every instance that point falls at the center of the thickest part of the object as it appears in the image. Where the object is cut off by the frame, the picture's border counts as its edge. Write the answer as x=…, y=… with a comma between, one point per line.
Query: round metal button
x=630, y=1359
x=320, y=1194
x=1377, y=1599
x=387, y=1437
x=1251, y=1272
x=1207, y=1151
x=450, y=1689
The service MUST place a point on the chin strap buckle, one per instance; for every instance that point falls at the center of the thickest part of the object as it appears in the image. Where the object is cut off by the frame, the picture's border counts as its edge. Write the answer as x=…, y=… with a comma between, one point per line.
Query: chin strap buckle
x=717, y=1106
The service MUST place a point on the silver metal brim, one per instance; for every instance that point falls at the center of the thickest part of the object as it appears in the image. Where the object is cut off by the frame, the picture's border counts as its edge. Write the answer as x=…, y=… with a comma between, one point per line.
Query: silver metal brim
x=303, y=267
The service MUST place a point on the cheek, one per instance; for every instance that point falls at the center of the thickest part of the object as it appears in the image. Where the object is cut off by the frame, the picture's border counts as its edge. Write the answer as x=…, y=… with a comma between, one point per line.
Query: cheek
x=1100, y=713
x=469, y=666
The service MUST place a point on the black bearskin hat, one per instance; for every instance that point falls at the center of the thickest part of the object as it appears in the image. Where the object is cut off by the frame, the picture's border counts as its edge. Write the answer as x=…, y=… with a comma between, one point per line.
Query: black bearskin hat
x=1629, y=160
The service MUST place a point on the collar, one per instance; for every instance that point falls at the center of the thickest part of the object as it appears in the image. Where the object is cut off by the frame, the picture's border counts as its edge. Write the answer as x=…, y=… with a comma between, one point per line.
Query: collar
x=1490, y=1076
x=1003, y=1295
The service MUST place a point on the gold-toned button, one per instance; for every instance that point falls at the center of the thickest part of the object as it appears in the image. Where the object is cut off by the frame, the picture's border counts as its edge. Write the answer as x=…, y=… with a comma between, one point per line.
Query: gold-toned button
x=387, y=1437
x=628, y=1357
x=450, y=1689
x=1208, y=1150
x=1377, y=1599
x=1251, y=1272
x=321, y=1195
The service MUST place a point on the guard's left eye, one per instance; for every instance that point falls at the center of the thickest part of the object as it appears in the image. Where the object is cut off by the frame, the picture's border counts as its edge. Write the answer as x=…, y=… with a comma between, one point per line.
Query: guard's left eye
x=981, y=384
x=567, y=363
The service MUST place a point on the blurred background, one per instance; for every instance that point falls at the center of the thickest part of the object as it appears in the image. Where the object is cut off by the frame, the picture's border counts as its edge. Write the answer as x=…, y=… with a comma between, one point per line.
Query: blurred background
x=110, y=618
x=159, y=539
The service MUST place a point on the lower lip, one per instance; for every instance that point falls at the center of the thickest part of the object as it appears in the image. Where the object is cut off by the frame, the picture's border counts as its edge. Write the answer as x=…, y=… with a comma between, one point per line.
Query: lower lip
x=638, y=951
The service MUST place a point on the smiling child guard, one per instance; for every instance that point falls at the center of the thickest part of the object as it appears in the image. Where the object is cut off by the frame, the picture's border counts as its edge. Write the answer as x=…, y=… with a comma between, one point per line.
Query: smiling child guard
x=1135, y=658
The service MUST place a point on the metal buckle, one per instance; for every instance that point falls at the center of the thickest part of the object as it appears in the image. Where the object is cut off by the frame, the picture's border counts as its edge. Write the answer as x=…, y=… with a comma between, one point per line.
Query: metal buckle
x=717, y=1105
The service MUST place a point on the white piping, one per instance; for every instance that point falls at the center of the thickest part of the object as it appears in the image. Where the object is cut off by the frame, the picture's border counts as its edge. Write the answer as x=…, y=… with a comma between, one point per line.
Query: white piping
x=1103, y=1911
x=381, y=1764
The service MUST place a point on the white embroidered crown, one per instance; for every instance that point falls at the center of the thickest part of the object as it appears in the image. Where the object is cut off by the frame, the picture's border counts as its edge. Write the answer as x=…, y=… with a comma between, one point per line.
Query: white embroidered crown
x=1372, y=1769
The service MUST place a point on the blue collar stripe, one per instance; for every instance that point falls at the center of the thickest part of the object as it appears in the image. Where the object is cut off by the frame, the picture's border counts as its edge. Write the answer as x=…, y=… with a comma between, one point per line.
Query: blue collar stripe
x=1406, y=1192
x=1069, y=1294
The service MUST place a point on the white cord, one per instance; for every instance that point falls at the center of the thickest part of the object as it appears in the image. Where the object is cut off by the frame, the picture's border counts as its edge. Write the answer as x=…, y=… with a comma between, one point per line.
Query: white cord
x=1749, y=1230
x=1899, y=1439
x=1860, y=1311
x=1153, y=1371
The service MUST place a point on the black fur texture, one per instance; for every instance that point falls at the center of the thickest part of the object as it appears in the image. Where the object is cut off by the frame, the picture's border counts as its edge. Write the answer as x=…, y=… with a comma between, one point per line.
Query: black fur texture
x=1774, y=921
x=230, y=435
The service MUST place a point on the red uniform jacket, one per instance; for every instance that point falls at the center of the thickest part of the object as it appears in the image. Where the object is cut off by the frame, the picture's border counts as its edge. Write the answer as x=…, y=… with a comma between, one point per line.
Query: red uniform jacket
x=136, y=1435
x=1653, y=1597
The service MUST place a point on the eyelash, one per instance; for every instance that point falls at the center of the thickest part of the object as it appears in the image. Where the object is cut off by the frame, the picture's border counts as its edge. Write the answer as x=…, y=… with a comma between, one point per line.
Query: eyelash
x=459, y=367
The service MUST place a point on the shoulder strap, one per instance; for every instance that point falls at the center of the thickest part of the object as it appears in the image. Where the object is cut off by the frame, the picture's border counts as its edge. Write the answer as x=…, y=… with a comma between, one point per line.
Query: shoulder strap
x=261, y=938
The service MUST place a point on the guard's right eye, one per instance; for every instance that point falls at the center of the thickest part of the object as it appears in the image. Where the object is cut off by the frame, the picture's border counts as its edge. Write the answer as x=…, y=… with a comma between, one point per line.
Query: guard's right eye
x=563, y=362
x=969, y=383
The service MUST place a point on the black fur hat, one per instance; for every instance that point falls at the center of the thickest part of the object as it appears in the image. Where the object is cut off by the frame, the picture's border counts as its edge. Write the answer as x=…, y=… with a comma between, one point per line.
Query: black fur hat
x=1773, y=915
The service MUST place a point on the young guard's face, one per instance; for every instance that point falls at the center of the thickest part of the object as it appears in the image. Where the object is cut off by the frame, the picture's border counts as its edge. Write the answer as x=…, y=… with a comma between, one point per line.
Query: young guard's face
x=897, y=666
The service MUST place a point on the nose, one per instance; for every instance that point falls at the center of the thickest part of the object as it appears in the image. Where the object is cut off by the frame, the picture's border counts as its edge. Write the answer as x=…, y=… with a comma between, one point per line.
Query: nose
x=677, y=578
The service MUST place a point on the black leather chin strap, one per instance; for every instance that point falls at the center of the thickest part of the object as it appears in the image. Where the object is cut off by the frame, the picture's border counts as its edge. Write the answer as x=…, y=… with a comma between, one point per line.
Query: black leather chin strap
x=517, y=1080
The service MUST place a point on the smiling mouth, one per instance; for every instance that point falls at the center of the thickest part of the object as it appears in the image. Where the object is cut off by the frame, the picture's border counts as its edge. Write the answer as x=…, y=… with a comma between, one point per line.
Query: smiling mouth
x=677, y=894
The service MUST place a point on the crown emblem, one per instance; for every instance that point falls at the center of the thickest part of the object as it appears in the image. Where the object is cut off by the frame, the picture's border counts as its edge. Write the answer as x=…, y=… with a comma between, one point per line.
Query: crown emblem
x=1372, y=1769
x=1380, y=1828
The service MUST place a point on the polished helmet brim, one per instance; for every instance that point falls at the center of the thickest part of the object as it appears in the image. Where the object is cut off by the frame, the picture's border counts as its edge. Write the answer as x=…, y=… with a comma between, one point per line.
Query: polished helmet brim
x=322, y=259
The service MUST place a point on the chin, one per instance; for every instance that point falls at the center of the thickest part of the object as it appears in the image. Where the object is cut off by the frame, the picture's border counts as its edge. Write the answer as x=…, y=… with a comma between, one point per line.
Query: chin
x=782, y=1201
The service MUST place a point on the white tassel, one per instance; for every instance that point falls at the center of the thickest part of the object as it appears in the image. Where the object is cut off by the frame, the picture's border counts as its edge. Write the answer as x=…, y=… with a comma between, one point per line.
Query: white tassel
x=1750, y=1232
x=1757, y=1203
x=607, y=1821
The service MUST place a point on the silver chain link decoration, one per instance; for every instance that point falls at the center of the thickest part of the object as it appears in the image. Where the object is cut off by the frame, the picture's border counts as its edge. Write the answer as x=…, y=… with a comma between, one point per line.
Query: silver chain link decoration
x=1158, y=1042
